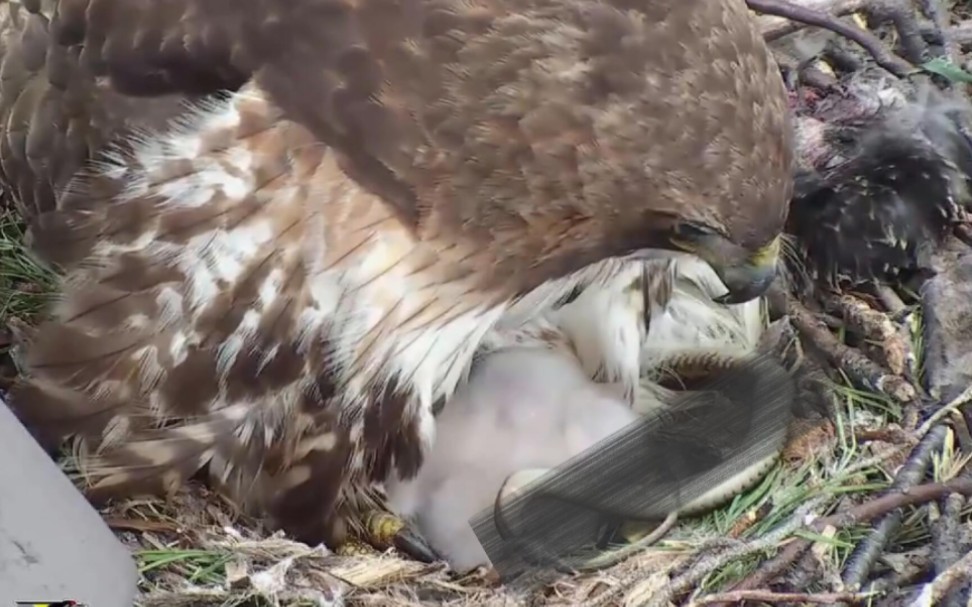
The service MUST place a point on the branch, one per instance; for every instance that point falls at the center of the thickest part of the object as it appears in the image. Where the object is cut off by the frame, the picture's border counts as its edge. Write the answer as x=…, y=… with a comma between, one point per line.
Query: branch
x=947, y=546
x=858, y=514
x=933, y=592
x=868, y=41
x=774, y=26
x=860, y=369
x=892, y=501
x=867, y=552
x=961, y=33
x=766, y=596
x=703, y=566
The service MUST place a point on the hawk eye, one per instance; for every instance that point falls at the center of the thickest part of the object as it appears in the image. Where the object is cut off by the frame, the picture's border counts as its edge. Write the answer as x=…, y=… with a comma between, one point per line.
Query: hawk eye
x=693, y=230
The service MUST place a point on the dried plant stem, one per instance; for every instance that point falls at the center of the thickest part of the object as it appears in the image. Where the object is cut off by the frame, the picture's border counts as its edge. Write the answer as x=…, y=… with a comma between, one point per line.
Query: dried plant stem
x=858, y=514
x=765, y=596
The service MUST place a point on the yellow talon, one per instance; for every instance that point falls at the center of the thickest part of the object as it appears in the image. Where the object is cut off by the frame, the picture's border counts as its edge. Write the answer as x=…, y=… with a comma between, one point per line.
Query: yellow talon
x=383, y=531
x=382, y=528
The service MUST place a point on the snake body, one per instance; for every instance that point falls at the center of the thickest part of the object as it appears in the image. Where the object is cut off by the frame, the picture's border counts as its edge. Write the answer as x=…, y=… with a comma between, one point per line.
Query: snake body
x=701, y=366
x=684, y=371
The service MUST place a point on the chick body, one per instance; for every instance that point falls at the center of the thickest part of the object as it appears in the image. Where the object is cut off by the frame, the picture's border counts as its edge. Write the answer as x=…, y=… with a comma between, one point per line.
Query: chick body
x=522, y=408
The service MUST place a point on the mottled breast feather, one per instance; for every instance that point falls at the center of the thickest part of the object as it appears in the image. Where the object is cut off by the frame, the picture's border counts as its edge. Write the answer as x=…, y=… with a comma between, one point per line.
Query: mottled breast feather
x=279, y=285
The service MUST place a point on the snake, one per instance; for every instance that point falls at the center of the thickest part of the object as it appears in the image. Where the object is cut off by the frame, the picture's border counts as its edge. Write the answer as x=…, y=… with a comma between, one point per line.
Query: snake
x=685, y=371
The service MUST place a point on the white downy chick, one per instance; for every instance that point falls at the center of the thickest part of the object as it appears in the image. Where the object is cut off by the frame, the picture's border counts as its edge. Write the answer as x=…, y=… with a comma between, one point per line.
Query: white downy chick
x=522, y=408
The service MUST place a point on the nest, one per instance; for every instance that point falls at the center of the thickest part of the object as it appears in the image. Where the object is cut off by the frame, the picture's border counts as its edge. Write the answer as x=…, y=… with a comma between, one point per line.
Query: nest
x=867, y=507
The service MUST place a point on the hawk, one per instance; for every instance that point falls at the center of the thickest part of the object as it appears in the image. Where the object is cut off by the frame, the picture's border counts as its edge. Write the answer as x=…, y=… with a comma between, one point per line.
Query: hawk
x=286, y=227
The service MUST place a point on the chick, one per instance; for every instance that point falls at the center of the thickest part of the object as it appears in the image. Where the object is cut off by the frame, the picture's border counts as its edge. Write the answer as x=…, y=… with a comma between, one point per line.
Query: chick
x=885, y=172
x=522, y=408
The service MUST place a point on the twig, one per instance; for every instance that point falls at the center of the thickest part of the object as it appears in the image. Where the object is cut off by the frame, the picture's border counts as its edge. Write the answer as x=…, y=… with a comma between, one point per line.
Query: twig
x=933, y=592
x=128, y=524
x=774, y=27
x=767, y=596
x=868, y=41
x=862, y=560
x=691, y=578
x=892, y=301
x=859, y=368
x=806, y=572
x=867, y=511
x=901, y=14
x=874, y=326
x=916, y=570
x=946, y=535
x=945, y=411
x=774, y=567
x=857, y=514
x=795, y=549
x=879, y=458
x=841, y=58
x=894, y=435
x=831, y=321
x=937, y=14
x=961, y=34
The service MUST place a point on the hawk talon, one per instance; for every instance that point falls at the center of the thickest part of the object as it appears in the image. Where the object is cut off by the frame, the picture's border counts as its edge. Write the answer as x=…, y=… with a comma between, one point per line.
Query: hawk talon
x=384, y=531
x=409, y=541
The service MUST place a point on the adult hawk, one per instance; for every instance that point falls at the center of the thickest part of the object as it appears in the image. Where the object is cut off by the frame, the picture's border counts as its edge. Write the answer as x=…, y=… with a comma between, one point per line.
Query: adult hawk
x=279, y=286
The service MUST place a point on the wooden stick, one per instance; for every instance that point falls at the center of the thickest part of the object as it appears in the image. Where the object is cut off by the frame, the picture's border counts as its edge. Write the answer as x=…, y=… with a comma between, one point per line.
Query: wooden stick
x=766, y=596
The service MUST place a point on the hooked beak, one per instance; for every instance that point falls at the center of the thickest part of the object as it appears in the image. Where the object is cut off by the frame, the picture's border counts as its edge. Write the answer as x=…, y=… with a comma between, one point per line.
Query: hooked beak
x=749, y=279
x=746, y=275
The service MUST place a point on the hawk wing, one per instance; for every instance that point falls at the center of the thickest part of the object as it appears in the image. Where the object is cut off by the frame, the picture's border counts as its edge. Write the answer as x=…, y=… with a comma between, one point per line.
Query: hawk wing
x=456, y=113
x=353, y=73
x=56, y=114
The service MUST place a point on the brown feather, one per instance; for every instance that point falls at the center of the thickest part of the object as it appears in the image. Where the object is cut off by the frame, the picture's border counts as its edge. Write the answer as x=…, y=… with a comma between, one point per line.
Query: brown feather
x=457, y=112
x=57, y=114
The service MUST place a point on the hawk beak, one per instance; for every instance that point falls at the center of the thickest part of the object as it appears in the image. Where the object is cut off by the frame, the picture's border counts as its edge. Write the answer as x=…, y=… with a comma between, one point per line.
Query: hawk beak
x=749, y=279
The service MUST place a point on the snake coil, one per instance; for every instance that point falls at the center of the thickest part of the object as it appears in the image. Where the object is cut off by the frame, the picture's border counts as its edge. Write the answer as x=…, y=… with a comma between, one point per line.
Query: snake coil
x=683, y=372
